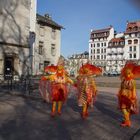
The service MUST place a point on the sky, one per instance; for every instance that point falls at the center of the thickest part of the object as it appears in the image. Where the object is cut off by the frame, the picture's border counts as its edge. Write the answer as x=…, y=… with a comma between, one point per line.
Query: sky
x=78, y=17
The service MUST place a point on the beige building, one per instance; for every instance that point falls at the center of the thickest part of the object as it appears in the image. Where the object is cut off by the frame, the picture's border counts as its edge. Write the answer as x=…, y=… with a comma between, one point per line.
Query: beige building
x=47, y=43
x=76, y=61
x=14, y=36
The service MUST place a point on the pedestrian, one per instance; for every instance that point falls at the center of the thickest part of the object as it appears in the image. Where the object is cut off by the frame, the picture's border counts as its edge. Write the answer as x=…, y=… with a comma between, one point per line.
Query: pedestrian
x=127, y=97
x=86, y=87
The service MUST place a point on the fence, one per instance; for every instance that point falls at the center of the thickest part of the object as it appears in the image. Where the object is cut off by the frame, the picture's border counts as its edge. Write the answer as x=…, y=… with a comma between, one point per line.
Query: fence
x=25, y=85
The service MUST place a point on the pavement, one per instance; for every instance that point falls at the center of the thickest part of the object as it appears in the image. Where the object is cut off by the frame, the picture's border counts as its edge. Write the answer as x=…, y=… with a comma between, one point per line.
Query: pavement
x=104, y=81
x=27, y=117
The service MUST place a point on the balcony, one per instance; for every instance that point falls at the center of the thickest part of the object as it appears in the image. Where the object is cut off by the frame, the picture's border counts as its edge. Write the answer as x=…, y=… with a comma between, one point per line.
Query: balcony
x=120, y=51
x=109, y=53
x=109, y=58
x=114, y=51
x=114, y=57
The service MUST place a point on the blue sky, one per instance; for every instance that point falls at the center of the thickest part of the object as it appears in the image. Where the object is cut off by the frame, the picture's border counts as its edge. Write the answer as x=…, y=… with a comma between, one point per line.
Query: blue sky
x=78, y=17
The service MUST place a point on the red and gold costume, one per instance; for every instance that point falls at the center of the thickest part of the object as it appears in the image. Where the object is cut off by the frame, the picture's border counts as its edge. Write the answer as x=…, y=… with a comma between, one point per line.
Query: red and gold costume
x=127, y=94
x=87, y=87
x=58, y=87
x=44, y=85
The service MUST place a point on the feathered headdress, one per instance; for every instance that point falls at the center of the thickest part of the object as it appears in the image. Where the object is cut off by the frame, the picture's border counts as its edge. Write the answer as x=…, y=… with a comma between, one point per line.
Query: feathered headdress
x=89, y=69
x=130, y=71
x=50, y=69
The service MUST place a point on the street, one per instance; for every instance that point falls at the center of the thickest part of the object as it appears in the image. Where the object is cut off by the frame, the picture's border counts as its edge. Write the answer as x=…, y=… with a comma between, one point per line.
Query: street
x=28, y=118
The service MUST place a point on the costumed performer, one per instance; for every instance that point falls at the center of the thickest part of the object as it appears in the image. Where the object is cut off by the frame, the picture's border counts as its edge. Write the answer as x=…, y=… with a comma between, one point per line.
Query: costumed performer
x=87, y=89
x=127, y=97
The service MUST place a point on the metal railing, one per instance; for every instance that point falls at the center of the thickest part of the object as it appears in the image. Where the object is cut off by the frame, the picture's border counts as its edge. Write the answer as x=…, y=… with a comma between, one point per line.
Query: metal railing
x=24, y=85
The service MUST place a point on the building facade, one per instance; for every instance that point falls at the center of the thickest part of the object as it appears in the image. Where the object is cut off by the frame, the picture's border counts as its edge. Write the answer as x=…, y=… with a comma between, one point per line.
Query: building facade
x=111, y=50
x=15, y=24
x=76, y=61
x=132, y=41
x=98, y=44
x=115, y=54
x=47, y=44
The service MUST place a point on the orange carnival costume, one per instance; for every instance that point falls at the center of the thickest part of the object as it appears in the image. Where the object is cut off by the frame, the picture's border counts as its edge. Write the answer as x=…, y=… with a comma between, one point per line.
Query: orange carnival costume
x=44, y=85
x=86, y=87
x=127, y=94
x=58, y=87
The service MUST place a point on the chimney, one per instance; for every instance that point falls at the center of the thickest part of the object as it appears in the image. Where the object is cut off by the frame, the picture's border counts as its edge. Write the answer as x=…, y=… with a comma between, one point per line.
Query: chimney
x=47, y=16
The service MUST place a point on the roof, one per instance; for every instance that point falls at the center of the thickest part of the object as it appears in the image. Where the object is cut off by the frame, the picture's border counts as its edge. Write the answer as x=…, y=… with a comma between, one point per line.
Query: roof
x=101, y=30
x=116, y=42
x=81, y=56
x=133, y=27
x=47, y=21
x=133, y=24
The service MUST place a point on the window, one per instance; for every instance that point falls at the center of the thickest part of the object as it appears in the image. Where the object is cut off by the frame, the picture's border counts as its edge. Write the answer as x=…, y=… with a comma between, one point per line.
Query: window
x=130, y=48
x=91, y=45
x=98, y=50
x=129, y=35
x=135, y=28
x=130, y=55
x=101, y=56
x=91, y=57
x=91, y=51
x=53, y=33
x=98, y=56
x=25, y=3
x=135, y=41
x=53, y=49
x=116, y=43
x=129, y=41
x=98, y=44
x=46, y=63
x=104, y=50
x=41, y=47
x=134, y=48
x=40, y=66
x=136, y=34
x=41, y=30
x=1, y=11
x=105, y=44
x=110, y=44
x=94, y=45
x=102, y=44
x=104, y=56
x=122, y=43
x=129, y=29
x=134, y=55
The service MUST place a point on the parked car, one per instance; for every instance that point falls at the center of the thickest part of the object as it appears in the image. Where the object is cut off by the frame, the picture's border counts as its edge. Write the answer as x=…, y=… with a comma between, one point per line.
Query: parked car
x=114, y=73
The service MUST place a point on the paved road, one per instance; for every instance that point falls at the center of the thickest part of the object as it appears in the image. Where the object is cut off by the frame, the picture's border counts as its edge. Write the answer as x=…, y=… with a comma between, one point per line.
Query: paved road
x=112, y=81
x=28, y=118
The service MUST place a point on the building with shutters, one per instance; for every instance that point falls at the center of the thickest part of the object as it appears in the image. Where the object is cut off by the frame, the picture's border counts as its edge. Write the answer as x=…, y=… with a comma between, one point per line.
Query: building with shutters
x=47, y=43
